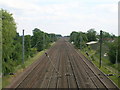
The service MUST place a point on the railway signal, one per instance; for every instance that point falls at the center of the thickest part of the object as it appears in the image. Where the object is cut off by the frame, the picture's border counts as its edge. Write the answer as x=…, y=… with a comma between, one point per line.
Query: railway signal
x=59, y=76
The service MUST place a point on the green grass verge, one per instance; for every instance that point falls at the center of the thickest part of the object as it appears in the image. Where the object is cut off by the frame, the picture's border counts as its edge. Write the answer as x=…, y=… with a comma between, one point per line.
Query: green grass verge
x=106, y=68
x=29, y=61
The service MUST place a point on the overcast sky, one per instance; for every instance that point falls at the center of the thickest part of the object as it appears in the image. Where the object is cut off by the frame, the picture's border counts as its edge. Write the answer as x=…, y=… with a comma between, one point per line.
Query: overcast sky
x=63, y=16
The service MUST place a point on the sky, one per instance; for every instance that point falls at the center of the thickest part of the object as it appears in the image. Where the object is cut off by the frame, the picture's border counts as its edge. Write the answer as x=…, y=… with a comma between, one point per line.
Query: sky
x=63, y=16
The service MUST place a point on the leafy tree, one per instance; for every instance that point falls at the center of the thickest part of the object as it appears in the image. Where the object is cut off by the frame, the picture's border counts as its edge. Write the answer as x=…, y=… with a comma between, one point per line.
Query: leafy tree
x=52, y=37
x=27, y=46
x=107, y=37
x=41, y=40
x=114, y=49
x=37, y=39
x=73, y=36
x=79, y=39
x=58, y=36
x=17, y=43
x=8, y=35
x=0, y=41
x=91, y=35
x=12, y=43
x=105, y=34
x=112, y=53
x=119, y=49
x=48, y=40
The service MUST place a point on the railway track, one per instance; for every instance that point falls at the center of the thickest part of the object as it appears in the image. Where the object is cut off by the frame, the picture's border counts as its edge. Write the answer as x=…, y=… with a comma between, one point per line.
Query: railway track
x=75, y=71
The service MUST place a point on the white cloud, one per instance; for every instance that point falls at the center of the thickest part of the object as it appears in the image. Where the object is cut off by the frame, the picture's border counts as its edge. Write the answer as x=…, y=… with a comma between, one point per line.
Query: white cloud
x=63, y=16
x=108, y=7
x=18, y=4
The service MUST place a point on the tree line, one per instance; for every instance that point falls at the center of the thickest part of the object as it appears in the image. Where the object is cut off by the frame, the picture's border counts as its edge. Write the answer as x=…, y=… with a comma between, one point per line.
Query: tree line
x=12, y=43
x=112, y=42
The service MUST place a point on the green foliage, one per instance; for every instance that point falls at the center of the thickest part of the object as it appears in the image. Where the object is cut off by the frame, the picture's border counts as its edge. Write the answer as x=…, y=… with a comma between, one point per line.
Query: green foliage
x=12, y=43
x=33, y=51
x=58, y=36
x=41, y=40
x=73, y=36
x=37, y=39
x=111, y=44
x=16, y=54
x=119, y=49
x=105, y=34
x=46, y=42
x=27, y=46
x=114, y=49
x=0, y=43
x=8, y=34
x=52, y=37
x=79, y=39
x=112, y=53
x=91, y=35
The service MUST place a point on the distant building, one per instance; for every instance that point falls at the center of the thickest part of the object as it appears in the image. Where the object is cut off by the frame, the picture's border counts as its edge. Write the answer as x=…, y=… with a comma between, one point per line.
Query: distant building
x=108, y=39
x=92, y=42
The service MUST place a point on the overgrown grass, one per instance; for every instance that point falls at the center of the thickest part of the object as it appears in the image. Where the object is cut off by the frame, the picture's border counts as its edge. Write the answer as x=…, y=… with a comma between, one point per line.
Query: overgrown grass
x=0, y=83
x=29, y=61
x=0, y=77
x=107, y=67
x=19, y=69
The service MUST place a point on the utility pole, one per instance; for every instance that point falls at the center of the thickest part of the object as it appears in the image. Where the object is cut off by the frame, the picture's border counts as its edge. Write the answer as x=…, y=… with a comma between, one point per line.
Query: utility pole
x=116, y=56
x=23, y=48
x=80, y=41
x=44, y=41
x=100, y=49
